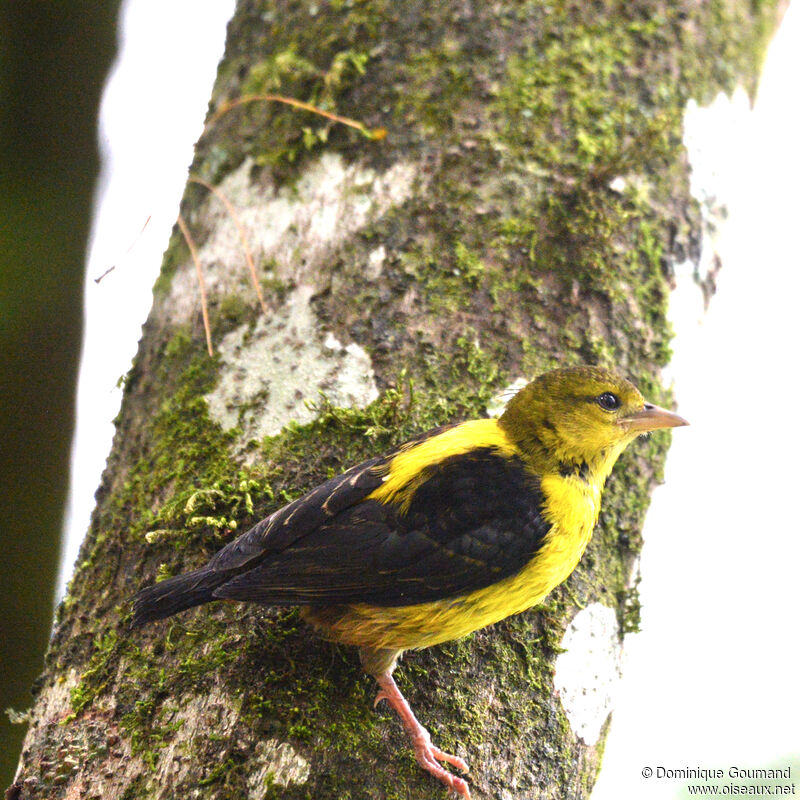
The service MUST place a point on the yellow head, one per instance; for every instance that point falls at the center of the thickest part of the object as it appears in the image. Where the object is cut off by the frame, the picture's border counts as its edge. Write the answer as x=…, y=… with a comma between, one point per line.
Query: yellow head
x=580, y=416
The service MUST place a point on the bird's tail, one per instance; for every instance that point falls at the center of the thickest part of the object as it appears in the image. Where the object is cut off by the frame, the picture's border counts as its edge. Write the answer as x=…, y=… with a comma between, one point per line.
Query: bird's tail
x=176, y=594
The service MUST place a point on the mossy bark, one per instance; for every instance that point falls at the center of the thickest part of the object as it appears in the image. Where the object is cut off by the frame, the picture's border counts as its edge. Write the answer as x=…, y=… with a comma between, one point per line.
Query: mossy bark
x=524, y=211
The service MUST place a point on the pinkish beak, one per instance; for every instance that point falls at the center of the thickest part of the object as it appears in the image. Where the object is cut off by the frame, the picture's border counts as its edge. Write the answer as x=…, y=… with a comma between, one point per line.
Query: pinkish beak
x=651, y=418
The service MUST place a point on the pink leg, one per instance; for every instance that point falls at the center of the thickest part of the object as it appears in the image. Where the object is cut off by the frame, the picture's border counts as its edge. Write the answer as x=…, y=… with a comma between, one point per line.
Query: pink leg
x=426, y=753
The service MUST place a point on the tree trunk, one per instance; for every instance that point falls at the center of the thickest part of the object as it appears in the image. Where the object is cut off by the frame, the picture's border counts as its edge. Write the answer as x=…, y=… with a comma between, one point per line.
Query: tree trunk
x=524, y=210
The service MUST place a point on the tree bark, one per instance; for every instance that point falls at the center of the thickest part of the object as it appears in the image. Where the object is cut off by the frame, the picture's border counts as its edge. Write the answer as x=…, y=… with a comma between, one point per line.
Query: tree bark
x=524, y=211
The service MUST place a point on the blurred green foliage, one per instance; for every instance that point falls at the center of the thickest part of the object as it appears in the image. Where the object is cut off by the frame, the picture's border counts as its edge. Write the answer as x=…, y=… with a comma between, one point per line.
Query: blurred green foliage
x=54, y=59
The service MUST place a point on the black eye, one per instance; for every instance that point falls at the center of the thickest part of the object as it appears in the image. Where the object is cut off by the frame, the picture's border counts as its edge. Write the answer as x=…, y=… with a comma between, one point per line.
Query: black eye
x=608, y=401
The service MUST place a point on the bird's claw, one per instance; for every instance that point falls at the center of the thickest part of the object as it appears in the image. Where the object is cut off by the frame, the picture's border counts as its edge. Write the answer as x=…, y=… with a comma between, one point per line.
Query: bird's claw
x=428, y=757
x=380, y=696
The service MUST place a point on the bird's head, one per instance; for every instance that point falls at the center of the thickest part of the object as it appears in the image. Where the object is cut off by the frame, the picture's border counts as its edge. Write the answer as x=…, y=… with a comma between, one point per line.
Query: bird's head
x=581, y=416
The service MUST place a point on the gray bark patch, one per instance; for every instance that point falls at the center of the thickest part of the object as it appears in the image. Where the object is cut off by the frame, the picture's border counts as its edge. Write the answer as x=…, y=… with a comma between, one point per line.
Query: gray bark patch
x=273, y=373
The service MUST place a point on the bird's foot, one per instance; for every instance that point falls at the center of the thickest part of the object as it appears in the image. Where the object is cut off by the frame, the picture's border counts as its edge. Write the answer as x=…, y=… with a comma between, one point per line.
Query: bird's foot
x=427, y=754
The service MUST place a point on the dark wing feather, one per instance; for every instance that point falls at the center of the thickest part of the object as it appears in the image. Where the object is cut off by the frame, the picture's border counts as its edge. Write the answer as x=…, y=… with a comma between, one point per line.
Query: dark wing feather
x=301, y=516
x=474, y=519
x=306, y=514
x=271, y=535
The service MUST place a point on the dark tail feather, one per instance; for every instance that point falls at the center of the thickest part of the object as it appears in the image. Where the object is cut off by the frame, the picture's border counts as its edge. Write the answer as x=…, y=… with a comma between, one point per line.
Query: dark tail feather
x=175, y=594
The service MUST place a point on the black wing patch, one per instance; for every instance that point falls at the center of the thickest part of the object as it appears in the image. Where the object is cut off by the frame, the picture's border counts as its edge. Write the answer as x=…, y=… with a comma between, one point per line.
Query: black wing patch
x=300, y=517
x=474, y=519
x=273, y=534
x=306, y=514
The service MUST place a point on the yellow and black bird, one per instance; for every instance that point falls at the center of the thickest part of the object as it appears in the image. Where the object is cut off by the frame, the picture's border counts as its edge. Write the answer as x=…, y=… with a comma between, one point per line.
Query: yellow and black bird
x=457, y=529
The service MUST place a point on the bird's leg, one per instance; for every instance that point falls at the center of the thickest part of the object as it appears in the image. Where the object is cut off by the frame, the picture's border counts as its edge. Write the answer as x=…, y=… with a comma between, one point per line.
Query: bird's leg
x=428, y=755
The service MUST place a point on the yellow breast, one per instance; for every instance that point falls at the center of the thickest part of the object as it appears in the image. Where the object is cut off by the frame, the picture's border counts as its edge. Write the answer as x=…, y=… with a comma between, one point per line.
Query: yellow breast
x=571, y=506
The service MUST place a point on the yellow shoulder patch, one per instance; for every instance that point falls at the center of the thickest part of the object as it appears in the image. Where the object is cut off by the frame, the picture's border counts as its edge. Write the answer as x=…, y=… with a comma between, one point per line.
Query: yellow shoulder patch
x=407, y=468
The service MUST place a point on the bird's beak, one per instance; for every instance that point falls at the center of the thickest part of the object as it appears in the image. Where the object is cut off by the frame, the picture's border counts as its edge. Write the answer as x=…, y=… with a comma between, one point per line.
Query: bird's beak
x=651, y=418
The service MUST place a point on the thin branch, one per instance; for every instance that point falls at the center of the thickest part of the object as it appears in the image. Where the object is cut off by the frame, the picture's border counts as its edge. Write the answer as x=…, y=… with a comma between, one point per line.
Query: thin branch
x=242, y=237
x=130, y=247
x=110, y=269
x=200, y=280
x=375, y=134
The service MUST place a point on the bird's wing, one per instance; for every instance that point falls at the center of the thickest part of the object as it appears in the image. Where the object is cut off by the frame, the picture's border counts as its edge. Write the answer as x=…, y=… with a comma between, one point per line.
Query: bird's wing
x=307, y=513
x=473, y=519
x=300, y=517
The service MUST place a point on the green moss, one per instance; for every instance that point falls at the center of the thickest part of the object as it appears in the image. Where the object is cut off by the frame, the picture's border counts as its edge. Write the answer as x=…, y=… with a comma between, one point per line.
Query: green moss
x=278, y=134
x=268, y=75
x=631, y=609
x=437, y=79
x=468, y=264
x=563, y=102
x=187, y=452
x=177, y=253
x=232, y=310
x=218, y=506
x=99, y=671
x=219, y=772
x=135, y=789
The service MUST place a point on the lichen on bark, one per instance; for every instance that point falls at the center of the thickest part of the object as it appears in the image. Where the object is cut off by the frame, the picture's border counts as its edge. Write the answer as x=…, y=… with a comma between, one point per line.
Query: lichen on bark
x=524, y=211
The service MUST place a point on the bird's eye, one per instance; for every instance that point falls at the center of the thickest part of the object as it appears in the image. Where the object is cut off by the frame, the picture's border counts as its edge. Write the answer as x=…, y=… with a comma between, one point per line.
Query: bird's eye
x=609, y=401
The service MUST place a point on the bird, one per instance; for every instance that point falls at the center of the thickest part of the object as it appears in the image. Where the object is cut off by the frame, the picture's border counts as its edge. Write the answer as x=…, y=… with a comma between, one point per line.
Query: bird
x=458, y=528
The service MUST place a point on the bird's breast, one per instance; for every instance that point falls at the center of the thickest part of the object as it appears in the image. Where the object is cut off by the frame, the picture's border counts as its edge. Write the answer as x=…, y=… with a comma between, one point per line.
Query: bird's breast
x=571, y=506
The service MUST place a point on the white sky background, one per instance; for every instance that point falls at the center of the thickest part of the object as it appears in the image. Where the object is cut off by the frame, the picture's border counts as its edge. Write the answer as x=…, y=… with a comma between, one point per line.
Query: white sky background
x=152, y=113
x=712, y=679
